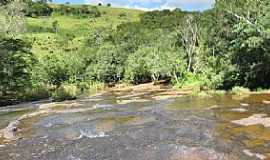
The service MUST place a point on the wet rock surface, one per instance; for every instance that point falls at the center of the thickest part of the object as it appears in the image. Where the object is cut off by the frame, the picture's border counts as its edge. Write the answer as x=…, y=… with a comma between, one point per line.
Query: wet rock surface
x=137, y=126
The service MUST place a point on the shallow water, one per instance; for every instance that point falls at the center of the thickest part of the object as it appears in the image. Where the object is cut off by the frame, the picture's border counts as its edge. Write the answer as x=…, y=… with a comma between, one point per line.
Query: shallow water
x=138, y=126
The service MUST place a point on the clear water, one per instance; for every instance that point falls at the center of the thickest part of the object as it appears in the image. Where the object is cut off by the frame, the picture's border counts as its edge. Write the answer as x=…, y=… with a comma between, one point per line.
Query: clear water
x=136, y=126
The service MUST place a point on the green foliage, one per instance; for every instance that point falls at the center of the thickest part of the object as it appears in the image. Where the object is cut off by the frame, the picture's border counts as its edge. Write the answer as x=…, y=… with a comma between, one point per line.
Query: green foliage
x=91, y=87
x=165, y=19
x=239, y=91
x=189, y=79
x=220, y=48
x=4, y=2
x=55, y=26
x=38, y=8
x=159, y=60
x=251, y=56
x=65, y=92
x=12, y=20
x=107, y=65
x=122, y=15
x=62, y=68
x=137, y=70
x=16, y=62
x=82, y=11
x=36, y=92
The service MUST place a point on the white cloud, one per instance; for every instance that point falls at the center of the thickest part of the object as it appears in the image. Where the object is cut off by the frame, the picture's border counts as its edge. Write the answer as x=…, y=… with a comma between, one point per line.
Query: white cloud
x=158, y=4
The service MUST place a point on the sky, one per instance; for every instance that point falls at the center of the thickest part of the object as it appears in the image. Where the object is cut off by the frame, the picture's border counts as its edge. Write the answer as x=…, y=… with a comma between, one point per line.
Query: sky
x=190, y=5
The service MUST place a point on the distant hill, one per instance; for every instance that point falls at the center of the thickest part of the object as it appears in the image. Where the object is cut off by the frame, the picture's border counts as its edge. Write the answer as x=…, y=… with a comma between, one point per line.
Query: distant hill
x=40, y=29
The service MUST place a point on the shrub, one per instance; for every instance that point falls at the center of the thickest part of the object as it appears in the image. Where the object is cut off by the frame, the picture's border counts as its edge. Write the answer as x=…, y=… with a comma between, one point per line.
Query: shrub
x=123, y=14
x=189, y=79
x=16, y=63
x=38, y=8
x=137, y=70
x=79, y=11
x=63, y=68
x=55, y=26
x=107, y=65
x=239, y=91
x=55, y=69
x=95, y=87
x=36, y=93
x=65, y=92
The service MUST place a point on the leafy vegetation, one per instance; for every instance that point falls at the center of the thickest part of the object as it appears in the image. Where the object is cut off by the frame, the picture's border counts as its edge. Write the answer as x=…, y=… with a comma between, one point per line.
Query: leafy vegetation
x=65, y=50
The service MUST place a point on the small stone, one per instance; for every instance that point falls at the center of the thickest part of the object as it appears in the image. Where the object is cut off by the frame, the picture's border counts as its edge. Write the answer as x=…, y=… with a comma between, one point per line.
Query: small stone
x=248, y=153
x=244, y=104
x=255, y=119
x=14, y=129
x=260, y=156
x=266, y=102
x=257, y=155
x=241, y=110
x=213, y=107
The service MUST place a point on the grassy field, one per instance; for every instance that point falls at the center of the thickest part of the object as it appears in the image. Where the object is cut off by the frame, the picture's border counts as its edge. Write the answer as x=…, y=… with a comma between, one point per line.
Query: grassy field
x=72, y=30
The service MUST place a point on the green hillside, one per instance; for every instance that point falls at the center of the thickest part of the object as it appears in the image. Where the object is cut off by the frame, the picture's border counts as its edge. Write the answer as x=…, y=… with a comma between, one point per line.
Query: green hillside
x=76, y=28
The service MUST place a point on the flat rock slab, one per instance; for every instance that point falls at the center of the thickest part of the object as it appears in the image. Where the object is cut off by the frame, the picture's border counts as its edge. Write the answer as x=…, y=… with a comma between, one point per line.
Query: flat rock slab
x=256, y=119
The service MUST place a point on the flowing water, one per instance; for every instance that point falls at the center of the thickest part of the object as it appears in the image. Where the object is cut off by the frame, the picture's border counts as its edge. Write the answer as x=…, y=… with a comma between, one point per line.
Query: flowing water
x=125, y=125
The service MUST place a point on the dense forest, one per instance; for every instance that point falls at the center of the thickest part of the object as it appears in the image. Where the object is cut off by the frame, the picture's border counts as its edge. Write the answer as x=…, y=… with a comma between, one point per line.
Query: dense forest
x=60, y=51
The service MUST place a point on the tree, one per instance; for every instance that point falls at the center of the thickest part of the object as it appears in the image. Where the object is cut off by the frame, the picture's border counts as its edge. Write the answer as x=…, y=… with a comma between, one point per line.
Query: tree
x=12, y=20
x=16, y=59
x=188, y=39
x=16, y=63
x=55, y=26
x=38, y=8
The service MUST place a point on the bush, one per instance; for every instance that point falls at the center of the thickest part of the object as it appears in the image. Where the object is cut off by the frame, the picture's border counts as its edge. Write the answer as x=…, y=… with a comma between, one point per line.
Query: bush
x=65, y=92
x=38, y=8
x=123, y=14
x=239, y=91
x=83, y=11
x=189, y=79
x=107, y=65
x=153, y=62
x=136, y=70
x=55, y=69
x=16, y=63
x=63, y=68
x=95, y=87
x=36, y=93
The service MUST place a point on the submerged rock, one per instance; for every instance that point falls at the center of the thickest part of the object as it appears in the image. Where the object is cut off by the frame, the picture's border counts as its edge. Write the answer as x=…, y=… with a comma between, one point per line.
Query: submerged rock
x=257, y=155
x=241, y=110
x=255, y=119
x=197, y=153
x=132, y=101
x=244, y=104
x=266, y=102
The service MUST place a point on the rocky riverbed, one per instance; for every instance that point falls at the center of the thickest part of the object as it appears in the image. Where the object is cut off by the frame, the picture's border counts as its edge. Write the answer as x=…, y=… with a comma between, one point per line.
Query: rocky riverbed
x=138, y=124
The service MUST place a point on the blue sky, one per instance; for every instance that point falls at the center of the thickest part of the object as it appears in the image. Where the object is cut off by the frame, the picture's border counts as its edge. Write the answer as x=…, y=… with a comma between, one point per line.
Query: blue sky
x=150, y=4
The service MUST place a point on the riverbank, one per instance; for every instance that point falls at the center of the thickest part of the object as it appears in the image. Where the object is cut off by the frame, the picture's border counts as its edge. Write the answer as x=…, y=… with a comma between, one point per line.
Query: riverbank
x=173, y=91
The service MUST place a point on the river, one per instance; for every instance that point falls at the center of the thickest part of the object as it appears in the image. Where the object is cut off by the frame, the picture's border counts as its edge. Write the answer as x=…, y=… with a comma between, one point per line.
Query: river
x=138, y=125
